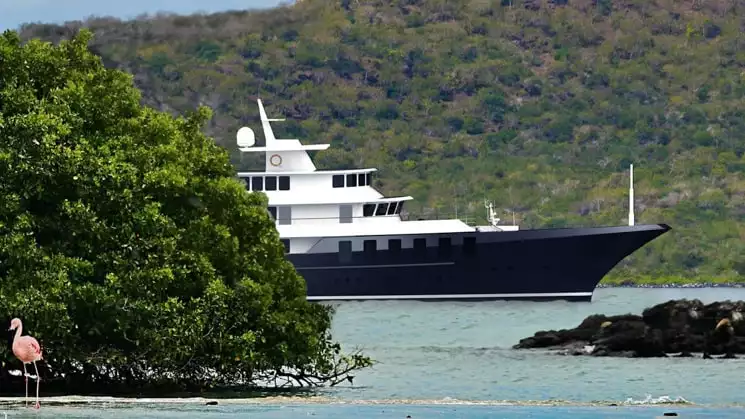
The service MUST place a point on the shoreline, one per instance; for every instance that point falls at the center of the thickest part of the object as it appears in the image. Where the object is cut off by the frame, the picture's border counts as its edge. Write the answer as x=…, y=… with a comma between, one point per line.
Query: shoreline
x=688, y=285
x=109, y=401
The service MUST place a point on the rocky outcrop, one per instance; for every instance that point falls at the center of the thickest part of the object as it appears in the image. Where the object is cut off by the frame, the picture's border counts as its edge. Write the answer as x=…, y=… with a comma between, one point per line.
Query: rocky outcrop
x=674, y=328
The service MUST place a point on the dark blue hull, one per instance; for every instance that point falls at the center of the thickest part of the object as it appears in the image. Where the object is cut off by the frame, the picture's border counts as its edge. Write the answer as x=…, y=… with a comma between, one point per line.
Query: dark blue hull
x=550, y=264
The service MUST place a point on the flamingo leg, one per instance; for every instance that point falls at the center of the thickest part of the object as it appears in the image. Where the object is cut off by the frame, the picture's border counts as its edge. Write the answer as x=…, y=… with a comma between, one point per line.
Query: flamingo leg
x=25, y=378
x=38, y=379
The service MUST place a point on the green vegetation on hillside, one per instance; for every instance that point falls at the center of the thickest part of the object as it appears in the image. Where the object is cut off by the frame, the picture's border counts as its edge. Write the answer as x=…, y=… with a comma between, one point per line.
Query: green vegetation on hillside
x=539, y=106
x=129, y=249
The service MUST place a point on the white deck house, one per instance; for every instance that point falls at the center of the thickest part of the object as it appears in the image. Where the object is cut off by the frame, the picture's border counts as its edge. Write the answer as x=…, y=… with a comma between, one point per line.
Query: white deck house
x=310, y=205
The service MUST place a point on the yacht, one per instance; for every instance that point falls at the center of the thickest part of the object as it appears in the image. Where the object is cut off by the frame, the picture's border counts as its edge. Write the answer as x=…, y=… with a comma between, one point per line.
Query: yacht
x=349, y=242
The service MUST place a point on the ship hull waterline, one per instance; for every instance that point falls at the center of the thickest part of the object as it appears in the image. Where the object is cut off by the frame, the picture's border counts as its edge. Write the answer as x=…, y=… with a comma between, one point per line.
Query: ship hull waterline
x=536, y=265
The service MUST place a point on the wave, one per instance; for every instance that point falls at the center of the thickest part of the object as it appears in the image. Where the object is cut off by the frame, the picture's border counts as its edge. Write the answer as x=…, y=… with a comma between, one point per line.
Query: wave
x=316, y=400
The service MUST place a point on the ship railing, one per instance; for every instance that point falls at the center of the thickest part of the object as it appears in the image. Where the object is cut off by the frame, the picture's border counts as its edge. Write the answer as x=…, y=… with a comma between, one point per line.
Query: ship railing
x=469, y=219
x=336, y=217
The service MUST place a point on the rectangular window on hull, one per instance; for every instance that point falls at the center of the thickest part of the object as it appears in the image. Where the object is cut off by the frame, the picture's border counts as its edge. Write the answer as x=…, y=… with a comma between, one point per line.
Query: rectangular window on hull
x=284, y=183
x=420, y=246
x=469, y=245
x=286, y=243
x=394, y=245
x=285, y=215
x=370, y=246
x=345, y=251
x=345, y=214
x=443, y=246
x=273, y=212
x=337, y=181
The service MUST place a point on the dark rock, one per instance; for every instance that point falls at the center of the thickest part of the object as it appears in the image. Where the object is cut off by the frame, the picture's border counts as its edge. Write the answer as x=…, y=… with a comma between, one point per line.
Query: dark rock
x=679, y=327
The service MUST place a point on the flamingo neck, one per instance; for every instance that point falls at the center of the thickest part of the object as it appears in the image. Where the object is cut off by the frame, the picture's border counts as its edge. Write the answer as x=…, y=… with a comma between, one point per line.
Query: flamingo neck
x=18, y=331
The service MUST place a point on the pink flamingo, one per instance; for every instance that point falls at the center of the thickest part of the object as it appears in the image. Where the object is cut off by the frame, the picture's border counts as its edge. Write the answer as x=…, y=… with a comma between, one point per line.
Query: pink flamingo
x=28, y=351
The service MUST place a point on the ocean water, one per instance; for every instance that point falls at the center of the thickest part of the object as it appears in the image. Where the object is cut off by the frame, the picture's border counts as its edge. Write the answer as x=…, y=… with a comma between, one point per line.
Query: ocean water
x=462, y=350
x=454, y=360
x=376, y=411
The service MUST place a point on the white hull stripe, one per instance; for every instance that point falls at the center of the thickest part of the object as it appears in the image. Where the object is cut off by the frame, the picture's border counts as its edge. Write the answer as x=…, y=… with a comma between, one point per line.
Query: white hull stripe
x=399, y=265
x=451, y=296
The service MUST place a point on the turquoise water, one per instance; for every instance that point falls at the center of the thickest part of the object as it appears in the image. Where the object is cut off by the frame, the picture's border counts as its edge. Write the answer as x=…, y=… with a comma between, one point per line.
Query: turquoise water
x=382, y=411
x=448, y=359
x=462, y=351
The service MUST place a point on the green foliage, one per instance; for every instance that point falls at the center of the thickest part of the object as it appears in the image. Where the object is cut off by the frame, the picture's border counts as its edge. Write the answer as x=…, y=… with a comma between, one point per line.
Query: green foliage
x=537, y=106
x=128, y=247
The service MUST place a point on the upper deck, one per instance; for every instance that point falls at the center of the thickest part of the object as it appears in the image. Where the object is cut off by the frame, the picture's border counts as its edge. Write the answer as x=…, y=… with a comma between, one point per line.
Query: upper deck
x=281, y=155
x=306, y=202
x=289, y=168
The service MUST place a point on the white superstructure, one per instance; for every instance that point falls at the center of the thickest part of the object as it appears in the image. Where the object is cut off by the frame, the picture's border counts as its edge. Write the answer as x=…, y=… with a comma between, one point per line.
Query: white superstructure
x=310, y=205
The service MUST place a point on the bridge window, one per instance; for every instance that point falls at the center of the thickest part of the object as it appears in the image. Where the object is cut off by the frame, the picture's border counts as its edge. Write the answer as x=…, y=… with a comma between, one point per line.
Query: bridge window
x=257, y=183
x=247, y=181
x=391, y=208
x=361, y=179
x=273, y=212
x=284, y=183
x=345, y=214
x=337, y=181
x=382, y=208
x=285, y=215
x=286, y=243
x=368, y=179
x=351, y=180
x=270, y=183
x=368, y=210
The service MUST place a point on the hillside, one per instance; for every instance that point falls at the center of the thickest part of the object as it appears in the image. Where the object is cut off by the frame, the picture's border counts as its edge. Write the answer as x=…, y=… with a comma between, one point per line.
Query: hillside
x=537, y=105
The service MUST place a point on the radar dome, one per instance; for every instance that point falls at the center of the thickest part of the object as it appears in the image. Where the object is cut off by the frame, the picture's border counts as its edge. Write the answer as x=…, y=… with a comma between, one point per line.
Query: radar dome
x=245, y=137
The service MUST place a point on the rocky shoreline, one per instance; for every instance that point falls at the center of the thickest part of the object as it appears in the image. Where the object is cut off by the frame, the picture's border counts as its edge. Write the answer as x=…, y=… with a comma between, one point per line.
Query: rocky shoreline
x=675, y=328
x=692, y=285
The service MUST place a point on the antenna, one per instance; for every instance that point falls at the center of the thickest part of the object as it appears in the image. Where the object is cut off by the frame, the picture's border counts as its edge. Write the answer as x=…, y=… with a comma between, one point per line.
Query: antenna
x=631, y=195
x=454, y=203
x=265, y=124
x=491, y=217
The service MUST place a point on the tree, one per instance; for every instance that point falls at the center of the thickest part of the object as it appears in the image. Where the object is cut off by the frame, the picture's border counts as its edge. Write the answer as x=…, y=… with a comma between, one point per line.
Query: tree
x=129, y=248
